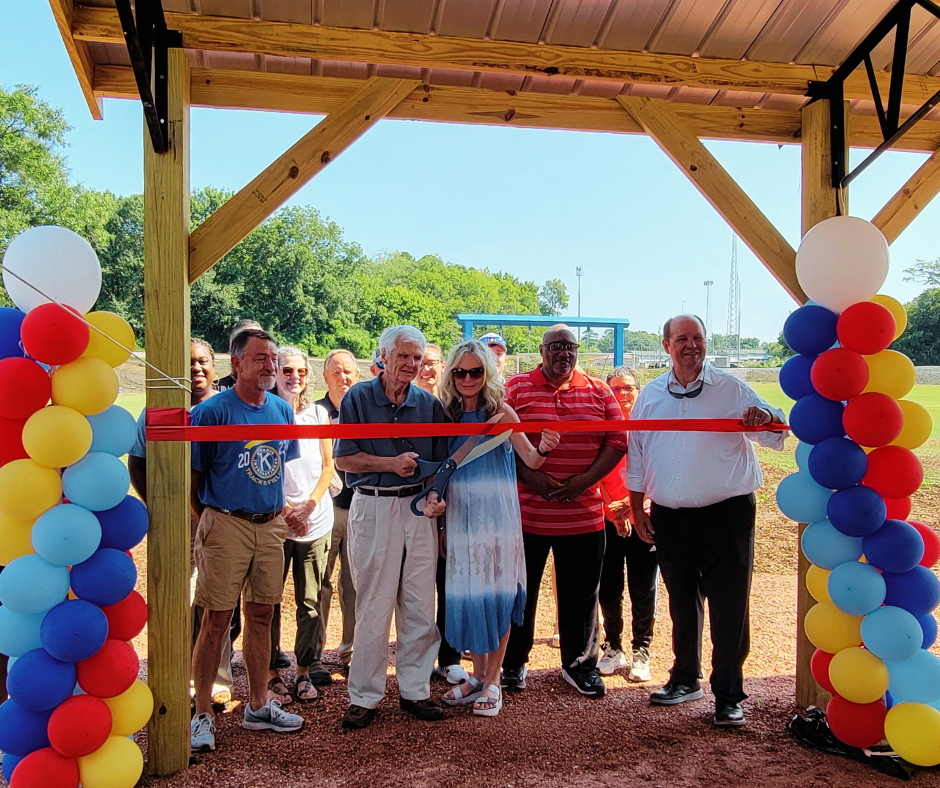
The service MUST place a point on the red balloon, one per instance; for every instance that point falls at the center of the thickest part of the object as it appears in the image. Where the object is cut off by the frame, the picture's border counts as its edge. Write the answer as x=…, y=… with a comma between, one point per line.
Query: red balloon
x=856, y=724
x=79, y=726
x=872, y=419
x=893, y=471
x=127, y=618
x=819, y=667
x=866, y=327
x=110, y=671
x=931, y=543
x=25, y=387
x=839, y=374
x=45, y=768
x=11, y=440
x=898, y=508
x=54, y=335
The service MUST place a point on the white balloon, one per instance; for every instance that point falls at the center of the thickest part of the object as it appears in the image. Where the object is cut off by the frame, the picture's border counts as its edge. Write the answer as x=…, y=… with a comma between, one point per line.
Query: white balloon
x=842, y=261
x=58, y=262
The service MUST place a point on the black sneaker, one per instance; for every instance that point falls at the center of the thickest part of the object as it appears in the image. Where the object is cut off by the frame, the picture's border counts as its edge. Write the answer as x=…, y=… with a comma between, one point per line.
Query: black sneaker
x=426, y=710
x=673, y=693
x=282, y=661
x=513, y=679
x=320, y=674
x=729, y=715
x=590, y=684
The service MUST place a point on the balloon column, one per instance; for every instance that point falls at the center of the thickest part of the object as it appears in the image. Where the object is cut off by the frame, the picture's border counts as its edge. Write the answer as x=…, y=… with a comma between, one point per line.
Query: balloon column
x=870, y=573
x=69, y=606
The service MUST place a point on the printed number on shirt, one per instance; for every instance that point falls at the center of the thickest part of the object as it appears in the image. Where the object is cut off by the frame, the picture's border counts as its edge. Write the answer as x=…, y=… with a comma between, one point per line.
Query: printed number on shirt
x=244, y=459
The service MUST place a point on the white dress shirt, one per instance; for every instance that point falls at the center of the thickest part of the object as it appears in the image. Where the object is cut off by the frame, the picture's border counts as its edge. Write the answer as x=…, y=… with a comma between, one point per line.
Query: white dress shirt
x=694, y=469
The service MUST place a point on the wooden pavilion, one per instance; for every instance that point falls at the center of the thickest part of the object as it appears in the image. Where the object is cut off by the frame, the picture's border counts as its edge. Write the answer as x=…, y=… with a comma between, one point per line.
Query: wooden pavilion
x=824, y=74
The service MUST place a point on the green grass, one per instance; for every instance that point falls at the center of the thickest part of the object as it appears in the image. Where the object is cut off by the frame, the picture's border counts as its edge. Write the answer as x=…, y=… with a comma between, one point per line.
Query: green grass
x=132, y=402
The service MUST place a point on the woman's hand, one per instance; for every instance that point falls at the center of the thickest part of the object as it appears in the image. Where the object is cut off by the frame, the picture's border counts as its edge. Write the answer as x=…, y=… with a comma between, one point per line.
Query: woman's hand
x=549, y=441
x=434, y=507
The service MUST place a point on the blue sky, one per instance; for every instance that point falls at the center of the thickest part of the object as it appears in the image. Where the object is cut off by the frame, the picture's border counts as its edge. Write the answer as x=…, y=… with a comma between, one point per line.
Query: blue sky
x=535, y=204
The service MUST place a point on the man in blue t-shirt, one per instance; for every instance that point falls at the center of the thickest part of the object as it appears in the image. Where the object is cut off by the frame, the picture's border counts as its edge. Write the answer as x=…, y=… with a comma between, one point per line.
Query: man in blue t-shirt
x=238, y=495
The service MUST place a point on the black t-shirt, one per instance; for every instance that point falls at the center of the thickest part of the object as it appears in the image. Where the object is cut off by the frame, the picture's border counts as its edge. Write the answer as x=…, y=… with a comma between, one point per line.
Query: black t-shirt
x=344, y=499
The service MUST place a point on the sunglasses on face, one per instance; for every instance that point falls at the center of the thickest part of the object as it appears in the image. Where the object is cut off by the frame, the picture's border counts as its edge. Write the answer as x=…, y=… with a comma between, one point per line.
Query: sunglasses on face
x=475, y=374
x=562, y=347
x=288, y=371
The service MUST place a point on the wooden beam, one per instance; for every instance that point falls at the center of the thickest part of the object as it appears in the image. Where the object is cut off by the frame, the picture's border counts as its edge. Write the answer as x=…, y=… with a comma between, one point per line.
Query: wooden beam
x=661, y=122
x=322, y=95
x=166, y=304
x=222, y=34
x=82, y=61
x=296, y=167
x=910, y=200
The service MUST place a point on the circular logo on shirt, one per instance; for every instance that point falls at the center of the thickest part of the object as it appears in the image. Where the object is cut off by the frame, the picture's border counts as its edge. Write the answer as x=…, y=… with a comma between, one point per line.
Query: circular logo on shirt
x=265, y=462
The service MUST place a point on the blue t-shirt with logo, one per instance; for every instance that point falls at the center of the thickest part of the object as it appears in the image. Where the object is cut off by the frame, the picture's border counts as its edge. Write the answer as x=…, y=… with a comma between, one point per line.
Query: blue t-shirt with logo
x=238, y=474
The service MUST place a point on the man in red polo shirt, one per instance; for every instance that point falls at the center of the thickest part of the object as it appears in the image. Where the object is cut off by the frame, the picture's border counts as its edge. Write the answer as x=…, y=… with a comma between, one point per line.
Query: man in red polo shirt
x=562, y=509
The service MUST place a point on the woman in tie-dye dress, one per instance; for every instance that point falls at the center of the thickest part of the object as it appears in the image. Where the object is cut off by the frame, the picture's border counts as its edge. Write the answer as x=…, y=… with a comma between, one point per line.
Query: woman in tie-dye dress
x=485, y=578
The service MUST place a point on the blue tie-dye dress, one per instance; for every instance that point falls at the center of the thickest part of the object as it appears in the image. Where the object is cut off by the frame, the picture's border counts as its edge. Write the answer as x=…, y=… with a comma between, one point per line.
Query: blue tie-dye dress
x=485, y=578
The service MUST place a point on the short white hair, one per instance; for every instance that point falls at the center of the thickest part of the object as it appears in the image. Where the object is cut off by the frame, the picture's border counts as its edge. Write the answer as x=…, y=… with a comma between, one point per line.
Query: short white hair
x=394, y=334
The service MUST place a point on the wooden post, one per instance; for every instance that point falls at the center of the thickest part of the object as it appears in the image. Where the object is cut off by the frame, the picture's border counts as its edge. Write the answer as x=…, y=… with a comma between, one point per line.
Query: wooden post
x=166, y=287
x=820, y=201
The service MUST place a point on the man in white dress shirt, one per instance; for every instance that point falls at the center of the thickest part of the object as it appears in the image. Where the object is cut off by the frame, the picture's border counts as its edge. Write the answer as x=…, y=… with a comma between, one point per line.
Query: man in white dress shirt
x=701, y=485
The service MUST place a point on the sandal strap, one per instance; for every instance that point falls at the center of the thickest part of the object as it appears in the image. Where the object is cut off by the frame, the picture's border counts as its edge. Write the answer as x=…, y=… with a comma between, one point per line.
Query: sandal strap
x=486, y=697
x=457, y=691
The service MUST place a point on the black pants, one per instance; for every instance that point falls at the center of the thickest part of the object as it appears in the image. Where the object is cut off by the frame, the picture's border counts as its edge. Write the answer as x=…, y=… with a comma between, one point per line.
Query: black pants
x=642, y=574
x=578, y=561
x=447, y=655
x=708, y=553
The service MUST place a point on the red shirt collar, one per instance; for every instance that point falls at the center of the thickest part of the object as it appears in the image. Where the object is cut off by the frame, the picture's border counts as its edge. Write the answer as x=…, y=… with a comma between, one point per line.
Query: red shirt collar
x=578, y=380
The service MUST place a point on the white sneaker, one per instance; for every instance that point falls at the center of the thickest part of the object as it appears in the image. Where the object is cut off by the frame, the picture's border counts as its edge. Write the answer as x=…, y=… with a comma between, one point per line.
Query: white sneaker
x=453, y=673
x=614, y=659
x=271, y=717
x=202, y=733
x=640, y=666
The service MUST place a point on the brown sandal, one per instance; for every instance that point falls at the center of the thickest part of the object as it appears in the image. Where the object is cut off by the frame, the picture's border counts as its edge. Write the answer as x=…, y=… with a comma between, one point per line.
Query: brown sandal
x=304, y=690
x=278, y=690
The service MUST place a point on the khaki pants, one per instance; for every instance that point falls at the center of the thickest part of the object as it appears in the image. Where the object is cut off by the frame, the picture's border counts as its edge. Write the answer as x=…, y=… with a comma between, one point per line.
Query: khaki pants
x=392, y=556
x=339, y=550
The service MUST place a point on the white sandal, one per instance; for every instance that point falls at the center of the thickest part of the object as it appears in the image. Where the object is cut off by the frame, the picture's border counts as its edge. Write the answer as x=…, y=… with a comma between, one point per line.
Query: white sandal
x=497, y=702
x=457, y=692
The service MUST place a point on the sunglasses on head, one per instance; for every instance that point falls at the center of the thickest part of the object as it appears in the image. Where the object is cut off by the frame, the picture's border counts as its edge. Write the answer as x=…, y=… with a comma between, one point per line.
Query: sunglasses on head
x=288, y=371
x=475, y=374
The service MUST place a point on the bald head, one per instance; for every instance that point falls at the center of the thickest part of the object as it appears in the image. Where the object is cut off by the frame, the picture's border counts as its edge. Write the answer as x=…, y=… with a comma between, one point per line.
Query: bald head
x=672, y=321
x=559, y=351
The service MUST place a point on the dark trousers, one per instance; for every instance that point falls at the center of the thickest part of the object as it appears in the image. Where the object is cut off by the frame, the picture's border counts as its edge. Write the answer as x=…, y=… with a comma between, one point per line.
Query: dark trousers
x=642, y=574
x=578, y=561
x=708, y=553
x=447, y=655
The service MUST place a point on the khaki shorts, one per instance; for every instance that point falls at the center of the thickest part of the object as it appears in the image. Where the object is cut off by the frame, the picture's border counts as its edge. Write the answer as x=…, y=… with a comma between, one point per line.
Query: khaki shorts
x=236, y=557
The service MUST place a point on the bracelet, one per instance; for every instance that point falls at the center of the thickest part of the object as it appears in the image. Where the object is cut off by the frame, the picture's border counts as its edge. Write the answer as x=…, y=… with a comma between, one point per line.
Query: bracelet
x=542, y=453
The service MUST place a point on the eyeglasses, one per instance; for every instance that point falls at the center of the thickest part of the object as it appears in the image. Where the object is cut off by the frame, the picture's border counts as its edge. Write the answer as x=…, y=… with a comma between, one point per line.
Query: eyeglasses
x=475, y=374
x=562, y=347
x=431, y=364
x=627, y=389
x=301, y=372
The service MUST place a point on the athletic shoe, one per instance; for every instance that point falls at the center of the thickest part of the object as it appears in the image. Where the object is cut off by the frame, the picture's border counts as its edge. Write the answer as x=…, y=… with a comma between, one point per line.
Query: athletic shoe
x=453, y=673
x=589, y=684
x=613, y=660
x=729, y=715
x=673, y=693
x=202, y=733
x=639, y=666
x=271, y=717
x=282, y=660
x=513, y=679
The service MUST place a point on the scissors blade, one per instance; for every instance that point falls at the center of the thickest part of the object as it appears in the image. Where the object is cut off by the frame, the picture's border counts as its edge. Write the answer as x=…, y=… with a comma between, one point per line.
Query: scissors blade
x=470, y=444
x=488, y=446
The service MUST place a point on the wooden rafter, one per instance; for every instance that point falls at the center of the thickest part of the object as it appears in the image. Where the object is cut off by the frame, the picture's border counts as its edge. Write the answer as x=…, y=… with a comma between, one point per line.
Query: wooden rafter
x=910, y=200
x=78, y=53
x=297, y=166
x=222, y=34
x=664, y=125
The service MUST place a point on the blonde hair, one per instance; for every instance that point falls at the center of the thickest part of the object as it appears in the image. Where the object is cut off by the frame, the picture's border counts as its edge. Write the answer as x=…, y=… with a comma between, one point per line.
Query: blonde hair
x=492, y=392
x=305, y=398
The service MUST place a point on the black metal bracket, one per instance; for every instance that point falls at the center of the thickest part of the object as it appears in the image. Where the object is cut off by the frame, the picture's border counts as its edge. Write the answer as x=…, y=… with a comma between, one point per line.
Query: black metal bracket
x=898, y=18
x=148, y=40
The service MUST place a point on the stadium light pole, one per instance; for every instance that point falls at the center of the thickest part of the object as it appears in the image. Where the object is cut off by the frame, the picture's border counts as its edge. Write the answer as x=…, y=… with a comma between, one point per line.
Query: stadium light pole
x=579, y=272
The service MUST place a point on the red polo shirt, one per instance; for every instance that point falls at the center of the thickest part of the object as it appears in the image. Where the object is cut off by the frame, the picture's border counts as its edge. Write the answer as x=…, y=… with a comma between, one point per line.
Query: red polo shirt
x=582, y=398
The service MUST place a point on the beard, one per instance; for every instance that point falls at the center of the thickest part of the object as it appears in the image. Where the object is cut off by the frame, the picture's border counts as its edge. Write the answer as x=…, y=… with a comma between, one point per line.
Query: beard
x=266, y=384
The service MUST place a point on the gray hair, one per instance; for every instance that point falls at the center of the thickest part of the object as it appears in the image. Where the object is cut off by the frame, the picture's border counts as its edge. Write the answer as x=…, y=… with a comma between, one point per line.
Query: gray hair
x=305, y=399
x=667, y=326
x=394, y=334
x=624, y=372
x=240, y=340
x=241, y=325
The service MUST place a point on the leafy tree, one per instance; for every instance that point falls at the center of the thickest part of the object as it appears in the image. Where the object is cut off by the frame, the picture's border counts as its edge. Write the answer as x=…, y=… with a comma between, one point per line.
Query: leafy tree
x=925, y=272
x=921, y=339
x=778, y=349
x=641, y=340
x=553, y=297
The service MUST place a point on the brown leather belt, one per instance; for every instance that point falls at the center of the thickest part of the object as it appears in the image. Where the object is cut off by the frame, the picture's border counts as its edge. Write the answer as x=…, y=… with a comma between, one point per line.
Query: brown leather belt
x=391, y=492
x=251, y=517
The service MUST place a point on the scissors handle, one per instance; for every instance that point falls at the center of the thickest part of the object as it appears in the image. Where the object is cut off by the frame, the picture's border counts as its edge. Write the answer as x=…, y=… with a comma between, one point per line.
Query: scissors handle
x=441, y=478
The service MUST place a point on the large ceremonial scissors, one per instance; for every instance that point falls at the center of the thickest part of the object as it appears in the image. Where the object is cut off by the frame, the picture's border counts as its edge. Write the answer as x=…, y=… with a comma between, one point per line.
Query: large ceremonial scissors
x=471, y=449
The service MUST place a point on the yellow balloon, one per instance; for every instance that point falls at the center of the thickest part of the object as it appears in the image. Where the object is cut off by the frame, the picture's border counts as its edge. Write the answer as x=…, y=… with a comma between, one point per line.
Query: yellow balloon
x=88, y=385
x=858, y=675
x=817, y=583
x=917, y=425
x=913, y=731
x=829, y=629
x=27, y=489
x=889, y=372
x=57, y=436
x=15, y=539
x=117, y=329
x=118, y=763
x=896, y=308
x=130, y=710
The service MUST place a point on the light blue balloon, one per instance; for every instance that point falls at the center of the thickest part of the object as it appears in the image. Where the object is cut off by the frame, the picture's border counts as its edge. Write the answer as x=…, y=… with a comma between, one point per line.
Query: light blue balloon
x=802, y=454
x=827, y=547
x=114, y=431
x=892, y=634
x=856, y=588
x=801, y=499
x=30, y=585
x=97, y=481
x=915, y=680
x=66, y=535
x=19, y=634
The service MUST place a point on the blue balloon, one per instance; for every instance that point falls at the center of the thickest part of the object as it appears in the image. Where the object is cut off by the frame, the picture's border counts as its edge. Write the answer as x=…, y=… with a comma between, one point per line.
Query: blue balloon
x=114, y=431
x=857, y=511
x=802, y=452
x=124, y=526
x=106, y=578
x=74, y=630
x=827, y=548
x=810, y=330
x=22, y=731
x=895, y=547
x=794, y=376
x=915, y=680
x=66, y=534
x=18, y=634
x=837, y=463
x=891, y=633
x=39, y=681
x=29, y=585
x=9, y=764
x=801, y=499
x=929, y=624
x=917, y=591
x=814, y=418
x=11, y=320
x=98, y=481
x=856, y=588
